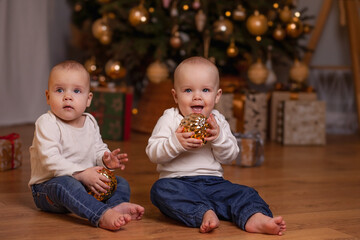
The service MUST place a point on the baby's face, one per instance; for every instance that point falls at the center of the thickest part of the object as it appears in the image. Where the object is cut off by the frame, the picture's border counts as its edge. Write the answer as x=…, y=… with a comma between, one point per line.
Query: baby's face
x=196, y=90
x=68, y=94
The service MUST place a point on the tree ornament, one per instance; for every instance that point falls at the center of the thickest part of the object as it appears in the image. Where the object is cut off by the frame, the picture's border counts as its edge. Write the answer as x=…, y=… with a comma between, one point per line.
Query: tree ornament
x=307, y=28
x=114, y=69
x=138, y=15
x=258, y=72
x=196, y=122
x=257, y=24
x=285, y=14
x=112, y=184
x=91, y=66
x=196, y=4
x=294, y=28
x=157, y=72
x=101, y=26
x=174, y=11
x=299, y=71
x=239, y=13
x=106, y=38
x=223, y=28
x=166, y=3
x=232, y=50
x=175, y=40
x=200, y=20
x=279, y=33
x=271, y=78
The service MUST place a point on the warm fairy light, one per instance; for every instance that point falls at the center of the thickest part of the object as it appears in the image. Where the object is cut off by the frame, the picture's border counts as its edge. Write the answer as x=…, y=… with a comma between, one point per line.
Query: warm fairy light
x=185, y=7
x=143, y=19
x=134, y=111
x=228, y=13
x=270, y=23
x=151, y=10
x=297, y=14
x=276, y=5
x=258, y=38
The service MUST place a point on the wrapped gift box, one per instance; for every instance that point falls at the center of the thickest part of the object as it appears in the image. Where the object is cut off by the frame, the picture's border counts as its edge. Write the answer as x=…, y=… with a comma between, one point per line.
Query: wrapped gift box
x=276, y=99
x=10, y=152
x=251, y=149
x=112, y=108
x=245, y=112
x=303, y=122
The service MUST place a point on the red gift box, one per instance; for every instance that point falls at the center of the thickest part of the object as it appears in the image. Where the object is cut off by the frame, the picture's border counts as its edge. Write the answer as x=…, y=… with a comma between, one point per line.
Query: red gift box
x=10, y=152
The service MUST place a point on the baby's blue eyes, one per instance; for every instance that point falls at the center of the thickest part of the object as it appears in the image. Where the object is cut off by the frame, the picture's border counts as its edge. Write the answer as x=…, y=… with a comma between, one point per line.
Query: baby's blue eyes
x=204, y=90
x=60, y=90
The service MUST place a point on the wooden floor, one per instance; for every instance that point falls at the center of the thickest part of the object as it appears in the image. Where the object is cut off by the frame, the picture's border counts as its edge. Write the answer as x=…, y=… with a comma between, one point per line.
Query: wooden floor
x=316, y=190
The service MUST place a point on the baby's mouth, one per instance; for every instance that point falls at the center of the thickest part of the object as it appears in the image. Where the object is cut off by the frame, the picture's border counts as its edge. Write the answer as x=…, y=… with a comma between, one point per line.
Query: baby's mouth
x=68, y=107
x=197, y=109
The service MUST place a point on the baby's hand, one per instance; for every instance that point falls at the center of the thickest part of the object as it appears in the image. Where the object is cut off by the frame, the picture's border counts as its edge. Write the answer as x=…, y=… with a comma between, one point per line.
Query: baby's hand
x=186, y=140
x=94, y=181
x=115, y=159
x=213, y=130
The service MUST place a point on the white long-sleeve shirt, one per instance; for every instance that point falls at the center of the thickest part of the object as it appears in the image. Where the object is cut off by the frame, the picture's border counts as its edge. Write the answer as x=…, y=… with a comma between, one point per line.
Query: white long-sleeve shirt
x=173, y=160
x=59, y=149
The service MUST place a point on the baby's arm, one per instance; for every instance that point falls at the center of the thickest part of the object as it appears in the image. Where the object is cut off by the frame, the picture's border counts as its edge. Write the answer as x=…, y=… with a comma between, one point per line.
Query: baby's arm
x=94, y=181
x=115, y=159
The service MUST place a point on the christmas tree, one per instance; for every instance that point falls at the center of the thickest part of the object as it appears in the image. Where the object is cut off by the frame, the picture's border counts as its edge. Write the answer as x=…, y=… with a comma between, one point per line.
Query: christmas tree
x=137, y=40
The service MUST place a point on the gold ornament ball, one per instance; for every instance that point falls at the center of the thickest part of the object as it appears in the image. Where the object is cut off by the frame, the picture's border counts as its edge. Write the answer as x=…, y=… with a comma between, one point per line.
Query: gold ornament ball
x=99, y=27
x=258, y=72
x=105, y=38
x=232, y=50
x=279, y=33
x=157, y=72
x=91, y=66
x=114, y=69
x=138, y=15
x=299, y=71
x=175, y=40
x=257, y=24
x=223, y=28
x=112, y=184
x=195, y=122
x=294, y=28
x=285, y=14
x=239, y=13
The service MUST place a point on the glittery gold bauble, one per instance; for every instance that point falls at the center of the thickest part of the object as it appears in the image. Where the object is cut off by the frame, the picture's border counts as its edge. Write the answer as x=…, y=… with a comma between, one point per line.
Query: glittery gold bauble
x=279, y=33
x=257, y=24
x=258, y=72
x=112, y=184
x=115, y=69
x=138, y=15
x=294, y=28
x=100, y=26
x=285, y=14
x=239, y=13
x=232, y=50
x=299, y=71
x=223, y=28
x=91, y=66
x=157, y=72
x=195, y=122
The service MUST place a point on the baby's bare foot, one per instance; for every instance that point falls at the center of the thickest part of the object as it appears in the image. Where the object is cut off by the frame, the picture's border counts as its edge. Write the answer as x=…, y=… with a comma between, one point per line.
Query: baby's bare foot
x=134, y=210
x=113, y=220
x=210, y=222
x=260, y=223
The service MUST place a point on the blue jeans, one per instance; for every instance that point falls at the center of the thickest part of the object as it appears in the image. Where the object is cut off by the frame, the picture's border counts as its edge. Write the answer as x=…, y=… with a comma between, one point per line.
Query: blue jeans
x=186, y=199
x=66, y=194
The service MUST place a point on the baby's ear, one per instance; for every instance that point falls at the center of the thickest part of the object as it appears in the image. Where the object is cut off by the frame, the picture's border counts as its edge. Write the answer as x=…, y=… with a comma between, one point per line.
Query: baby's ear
x=47, y=96
x=89, y=99
x=173, y=92
x=218, y=95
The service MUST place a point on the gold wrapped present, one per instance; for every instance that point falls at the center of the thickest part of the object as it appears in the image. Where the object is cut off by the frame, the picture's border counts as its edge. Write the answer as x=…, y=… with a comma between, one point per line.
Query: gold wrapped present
x=10, y=152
